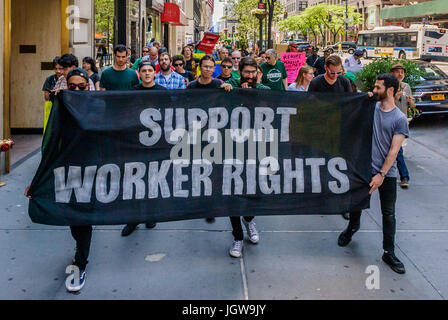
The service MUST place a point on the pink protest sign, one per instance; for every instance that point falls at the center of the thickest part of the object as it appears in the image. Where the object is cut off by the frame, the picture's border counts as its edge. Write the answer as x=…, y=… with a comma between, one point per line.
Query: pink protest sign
x=293, y=62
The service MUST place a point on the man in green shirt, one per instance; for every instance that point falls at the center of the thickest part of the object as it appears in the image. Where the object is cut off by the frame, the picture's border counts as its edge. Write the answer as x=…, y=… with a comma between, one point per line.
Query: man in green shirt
x=236, y=58
x=119, y=76
x=248, y=69
x=274, y=72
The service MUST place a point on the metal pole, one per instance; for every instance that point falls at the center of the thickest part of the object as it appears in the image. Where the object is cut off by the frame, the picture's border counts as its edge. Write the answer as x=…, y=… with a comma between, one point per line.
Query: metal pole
x=346, y=19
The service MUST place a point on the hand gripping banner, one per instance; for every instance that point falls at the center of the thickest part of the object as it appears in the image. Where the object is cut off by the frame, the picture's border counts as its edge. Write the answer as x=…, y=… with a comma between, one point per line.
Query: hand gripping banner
x=139, y=156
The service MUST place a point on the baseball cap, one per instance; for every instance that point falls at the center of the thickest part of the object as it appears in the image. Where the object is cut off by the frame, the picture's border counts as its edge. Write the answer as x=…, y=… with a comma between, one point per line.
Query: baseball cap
x=397, y=66
x=78, y=72
x=358, y=53
x=315, y=49
x=350, y=76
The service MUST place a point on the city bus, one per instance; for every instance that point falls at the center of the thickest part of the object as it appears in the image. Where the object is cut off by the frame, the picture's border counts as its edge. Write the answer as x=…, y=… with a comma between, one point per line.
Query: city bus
x=416, y=42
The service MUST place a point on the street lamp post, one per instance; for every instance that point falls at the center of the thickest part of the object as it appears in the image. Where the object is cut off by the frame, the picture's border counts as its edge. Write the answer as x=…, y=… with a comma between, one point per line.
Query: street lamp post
x=346, y=20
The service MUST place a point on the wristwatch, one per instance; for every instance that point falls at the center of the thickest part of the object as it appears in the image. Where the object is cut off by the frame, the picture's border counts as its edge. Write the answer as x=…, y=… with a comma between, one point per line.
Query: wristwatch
x=382, y=174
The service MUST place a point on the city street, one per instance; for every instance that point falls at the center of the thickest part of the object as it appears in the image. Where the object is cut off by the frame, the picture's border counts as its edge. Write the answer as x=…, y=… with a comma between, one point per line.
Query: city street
x=297, y=257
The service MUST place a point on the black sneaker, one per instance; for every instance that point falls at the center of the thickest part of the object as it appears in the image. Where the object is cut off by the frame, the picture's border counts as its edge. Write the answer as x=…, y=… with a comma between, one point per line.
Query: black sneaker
x=128, y=229
x=78, y=286
x=346, y=236
x=210, y=220
x=393, y=262
x=150, y=225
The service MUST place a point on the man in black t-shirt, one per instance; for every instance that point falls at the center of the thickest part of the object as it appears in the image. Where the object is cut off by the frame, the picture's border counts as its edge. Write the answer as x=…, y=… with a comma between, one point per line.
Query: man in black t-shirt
x=147, y=72
x=319, y=64
x=50, y=81
x=205, y=80
x=226, y=69
x=332, y=80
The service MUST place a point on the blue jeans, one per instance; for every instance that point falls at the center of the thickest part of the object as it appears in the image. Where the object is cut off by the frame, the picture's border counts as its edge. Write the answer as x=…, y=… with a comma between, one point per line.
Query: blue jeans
x=402, y=169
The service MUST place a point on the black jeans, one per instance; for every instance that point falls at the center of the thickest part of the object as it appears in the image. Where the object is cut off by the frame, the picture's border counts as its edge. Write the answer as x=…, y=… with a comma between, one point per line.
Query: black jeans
x=388, y=197
x=237, y=229
x=83, y=237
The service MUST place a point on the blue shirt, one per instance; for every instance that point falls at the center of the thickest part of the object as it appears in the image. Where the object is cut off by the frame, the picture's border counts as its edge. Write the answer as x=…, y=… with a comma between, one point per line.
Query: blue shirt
x=172, y=82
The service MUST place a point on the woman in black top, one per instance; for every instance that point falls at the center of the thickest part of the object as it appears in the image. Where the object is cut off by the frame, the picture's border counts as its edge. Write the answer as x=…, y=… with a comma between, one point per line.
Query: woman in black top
x=88, y=64
x=179, y=64
x=190, y=61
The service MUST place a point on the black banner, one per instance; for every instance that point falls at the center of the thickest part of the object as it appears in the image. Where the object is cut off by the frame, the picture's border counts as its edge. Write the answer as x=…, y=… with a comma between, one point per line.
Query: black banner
x=133, y=157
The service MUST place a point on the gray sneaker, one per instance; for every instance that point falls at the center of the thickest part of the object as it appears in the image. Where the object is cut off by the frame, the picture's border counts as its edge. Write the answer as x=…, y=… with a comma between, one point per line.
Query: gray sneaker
x=236, y=249
x=251, y=231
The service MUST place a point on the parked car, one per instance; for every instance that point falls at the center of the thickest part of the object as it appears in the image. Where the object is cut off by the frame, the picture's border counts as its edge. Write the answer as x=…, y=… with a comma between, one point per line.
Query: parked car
x=347, y=46
x=431, y=95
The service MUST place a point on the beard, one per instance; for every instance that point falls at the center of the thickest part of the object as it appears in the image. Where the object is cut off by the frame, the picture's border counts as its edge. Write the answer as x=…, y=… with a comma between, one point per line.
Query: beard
x=381, y=96
x=252, y=84
x=165, y=68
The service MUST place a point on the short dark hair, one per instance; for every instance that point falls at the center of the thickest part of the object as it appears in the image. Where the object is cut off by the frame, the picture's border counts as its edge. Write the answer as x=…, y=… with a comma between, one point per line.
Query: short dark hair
x=207, y=57
x=261, y=52
x=227, y=59
x=390, y=81
x=68, y=60
x=120, y=48
x=146, y=63
x=247, y=61
x=56, y=61
x=179, y=57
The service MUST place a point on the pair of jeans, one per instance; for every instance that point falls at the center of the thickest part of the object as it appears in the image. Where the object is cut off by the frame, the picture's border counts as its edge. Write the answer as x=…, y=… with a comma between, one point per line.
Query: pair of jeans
x=83, y=237
x=402, y=168
x=388, y=197
x=237, y=229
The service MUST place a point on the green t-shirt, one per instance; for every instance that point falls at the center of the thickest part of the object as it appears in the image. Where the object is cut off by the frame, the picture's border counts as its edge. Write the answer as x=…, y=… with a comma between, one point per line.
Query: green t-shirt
x=112, y=79
x=235, y=74
x=273, y=75
x=236, y=83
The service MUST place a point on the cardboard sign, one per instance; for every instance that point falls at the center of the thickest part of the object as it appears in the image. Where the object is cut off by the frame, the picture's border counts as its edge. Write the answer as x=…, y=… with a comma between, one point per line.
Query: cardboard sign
x=208, y=42
x=293, y=62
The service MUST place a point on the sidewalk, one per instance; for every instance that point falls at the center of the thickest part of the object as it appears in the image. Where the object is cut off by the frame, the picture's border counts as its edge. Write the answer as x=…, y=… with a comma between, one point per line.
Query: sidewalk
x=297, y=257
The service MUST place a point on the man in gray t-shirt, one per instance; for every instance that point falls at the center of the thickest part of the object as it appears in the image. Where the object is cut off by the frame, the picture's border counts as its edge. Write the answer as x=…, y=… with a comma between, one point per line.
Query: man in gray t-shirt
x=390, y=128
x=385, y=126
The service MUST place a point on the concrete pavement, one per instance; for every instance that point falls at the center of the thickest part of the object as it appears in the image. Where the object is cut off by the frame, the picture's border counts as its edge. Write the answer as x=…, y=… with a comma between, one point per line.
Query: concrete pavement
x=297, y=257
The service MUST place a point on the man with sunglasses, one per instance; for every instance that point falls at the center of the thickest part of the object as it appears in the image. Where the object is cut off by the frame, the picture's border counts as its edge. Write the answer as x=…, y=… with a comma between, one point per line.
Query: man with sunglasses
x=68, y=62
x=332, y=80
x=77, y=80
x=236, y=58
x=226, y=70
x=139, y=60
x=274, y=72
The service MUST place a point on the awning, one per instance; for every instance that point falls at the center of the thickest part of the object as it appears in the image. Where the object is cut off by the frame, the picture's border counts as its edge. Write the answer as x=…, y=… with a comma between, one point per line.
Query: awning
x=416, y=10
x=173, y=15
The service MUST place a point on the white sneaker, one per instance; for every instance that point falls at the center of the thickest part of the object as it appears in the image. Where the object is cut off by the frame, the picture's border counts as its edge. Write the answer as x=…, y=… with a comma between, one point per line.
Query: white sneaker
x=251, y=231
x=236, y=249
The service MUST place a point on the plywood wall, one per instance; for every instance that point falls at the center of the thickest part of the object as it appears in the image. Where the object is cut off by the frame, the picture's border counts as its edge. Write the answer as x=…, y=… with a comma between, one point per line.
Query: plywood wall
x=32, y=23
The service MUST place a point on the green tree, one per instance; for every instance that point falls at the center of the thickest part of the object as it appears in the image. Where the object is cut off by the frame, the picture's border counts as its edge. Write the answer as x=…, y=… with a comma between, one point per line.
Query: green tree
x=104, y=16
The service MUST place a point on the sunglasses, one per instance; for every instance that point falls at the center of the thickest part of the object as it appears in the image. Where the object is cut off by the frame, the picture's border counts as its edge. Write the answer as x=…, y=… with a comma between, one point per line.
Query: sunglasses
x=81, y=86
x=236, y=58
x=178, y=64
x=226, y=66
x=333, y=73
x=145, y=51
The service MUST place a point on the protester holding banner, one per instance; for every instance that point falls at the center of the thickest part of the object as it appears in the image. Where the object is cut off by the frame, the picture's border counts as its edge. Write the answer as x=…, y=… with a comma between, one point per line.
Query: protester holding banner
x=119, y=76
x=332, y=80
x=167, y=77
x=205, y=80
x=303, y=79
x=274, y=72
x=68, y=62
x=390, y=128
x=147, y=71
x=249, y=73
x=77, y=80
